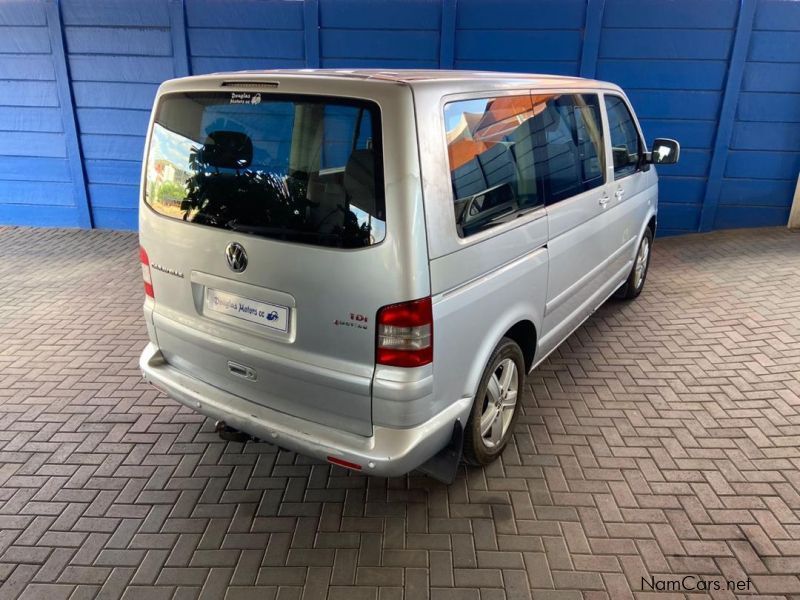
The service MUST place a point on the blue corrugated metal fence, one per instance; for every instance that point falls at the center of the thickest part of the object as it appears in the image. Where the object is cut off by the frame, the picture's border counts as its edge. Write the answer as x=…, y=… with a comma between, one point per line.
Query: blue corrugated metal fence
x=77, y=79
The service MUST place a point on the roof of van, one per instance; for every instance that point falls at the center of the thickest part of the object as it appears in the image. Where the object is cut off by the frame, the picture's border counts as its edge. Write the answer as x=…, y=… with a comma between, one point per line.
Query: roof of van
x=421, y=77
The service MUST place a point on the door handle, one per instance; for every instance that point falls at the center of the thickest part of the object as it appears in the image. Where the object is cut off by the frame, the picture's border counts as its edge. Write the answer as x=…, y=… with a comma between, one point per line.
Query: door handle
x=603, y=200
x=619, y=194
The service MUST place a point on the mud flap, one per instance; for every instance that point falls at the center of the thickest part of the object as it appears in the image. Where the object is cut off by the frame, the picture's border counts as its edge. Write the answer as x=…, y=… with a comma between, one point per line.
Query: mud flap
x=443, y=466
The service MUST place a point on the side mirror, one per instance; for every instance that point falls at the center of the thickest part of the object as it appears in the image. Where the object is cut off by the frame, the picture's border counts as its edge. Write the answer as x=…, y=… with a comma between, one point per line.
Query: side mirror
x=665, y=151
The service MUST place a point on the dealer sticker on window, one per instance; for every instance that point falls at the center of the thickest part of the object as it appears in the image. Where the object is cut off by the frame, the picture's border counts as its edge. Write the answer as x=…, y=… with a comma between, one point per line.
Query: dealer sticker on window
x=273, y=316
x=245, y=98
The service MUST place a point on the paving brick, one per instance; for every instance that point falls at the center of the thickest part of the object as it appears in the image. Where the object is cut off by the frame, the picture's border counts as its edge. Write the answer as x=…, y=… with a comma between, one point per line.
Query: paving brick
x=776, y=584
x=455, y=594
x=441, y=569
x=478, y=578
x=515, y=584
x=660, y=439
x=249, y=592
x=352, y=593
x=135, y=592
x=281, y=576
x=405, y=558
x=344, y=567
x=500, y=560
x=379, y=576
x=317, y=583
x=417, y=584
x=46, y=591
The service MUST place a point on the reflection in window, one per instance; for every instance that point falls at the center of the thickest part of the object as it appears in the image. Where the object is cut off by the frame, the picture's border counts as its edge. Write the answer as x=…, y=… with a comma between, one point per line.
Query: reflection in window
x=625, y=142
x=301, y=170
x=512, y=154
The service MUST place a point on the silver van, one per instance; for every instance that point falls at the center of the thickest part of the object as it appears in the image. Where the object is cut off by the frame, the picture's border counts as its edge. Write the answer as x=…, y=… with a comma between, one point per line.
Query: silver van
x=363, y=265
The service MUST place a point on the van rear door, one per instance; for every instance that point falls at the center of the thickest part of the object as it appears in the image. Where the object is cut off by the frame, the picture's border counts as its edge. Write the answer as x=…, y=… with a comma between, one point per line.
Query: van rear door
x=264, y=223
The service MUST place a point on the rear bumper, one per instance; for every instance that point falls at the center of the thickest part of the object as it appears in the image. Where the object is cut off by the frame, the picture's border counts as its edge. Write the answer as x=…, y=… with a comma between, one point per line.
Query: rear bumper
x=388, y=452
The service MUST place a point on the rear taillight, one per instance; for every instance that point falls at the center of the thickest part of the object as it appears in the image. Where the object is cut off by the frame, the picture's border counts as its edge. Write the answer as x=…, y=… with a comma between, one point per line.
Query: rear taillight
x=405, y=334
x=148, y=280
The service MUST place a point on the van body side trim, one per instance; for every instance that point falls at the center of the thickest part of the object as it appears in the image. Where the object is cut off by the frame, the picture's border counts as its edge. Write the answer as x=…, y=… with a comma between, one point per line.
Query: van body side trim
x=491, y=272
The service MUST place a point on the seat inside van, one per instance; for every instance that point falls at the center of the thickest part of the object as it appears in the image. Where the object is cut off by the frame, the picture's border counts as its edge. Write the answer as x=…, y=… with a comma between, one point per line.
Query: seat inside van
x=359, y=180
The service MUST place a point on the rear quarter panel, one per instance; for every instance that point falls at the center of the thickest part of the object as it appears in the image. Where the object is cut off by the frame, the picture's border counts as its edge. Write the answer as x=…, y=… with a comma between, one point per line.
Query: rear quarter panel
x=479, y=293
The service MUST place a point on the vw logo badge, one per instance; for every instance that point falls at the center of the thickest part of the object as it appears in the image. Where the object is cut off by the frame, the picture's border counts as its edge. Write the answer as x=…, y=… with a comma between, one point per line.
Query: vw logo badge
x=237, y=257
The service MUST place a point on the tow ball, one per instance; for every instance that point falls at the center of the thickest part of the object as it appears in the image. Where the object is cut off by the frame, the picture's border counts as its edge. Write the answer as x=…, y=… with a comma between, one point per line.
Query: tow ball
x=230, y=434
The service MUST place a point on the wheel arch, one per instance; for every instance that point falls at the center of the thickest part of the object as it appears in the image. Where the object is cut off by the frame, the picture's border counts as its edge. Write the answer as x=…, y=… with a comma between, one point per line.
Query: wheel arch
x=651, y=224
x=521, y=328
x=523, y=332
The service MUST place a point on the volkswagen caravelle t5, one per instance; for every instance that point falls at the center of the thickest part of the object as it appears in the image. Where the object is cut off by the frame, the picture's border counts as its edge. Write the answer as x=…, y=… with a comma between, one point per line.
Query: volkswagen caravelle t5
x=362, y=266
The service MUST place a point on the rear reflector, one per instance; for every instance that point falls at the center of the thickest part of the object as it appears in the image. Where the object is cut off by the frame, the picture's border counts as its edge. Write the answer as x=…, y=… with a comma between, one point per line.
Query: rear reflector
x=405, y=334
x=344, y=463
x=146, y=276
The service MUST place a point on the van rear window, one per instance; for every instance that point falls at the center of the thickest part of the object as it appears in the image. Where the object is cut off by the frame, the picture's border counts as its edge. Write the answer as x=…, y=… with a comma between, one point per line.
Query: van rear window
x=303, y=169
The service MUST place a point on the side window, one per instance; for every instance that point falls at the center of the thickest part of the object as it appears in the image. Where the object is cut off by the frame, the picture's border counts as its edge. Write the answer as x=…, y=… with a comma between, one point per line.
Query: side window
x=626, y=147
x=515, y=153
x=571, y=156
x=491, y=164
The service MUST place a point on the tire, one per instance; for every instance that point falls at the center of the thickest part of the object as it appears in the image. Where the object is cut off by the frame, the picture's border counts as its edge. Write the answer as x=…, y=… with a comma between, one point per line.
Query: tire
x=481, y=447
x=634, y=285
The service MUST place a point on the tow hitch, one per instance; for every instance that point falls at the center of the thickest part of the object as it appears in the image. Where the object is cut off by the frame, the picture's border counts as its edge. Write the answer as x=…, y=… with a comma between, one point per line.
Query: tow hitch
x=229, y=434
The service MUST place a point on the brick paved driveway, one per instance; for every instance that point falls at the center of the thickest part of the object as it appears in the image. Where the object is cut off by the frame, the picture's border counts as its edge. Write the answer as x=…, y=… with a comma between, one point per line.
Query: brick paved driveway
x=661, y=440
